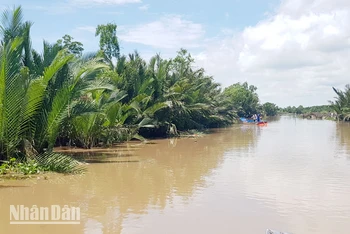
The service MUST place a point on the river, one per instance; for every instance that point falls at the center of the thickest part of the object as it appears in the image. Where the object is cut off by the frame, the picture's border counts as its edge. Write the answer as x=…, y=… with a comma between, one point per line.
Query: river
x=292, y=175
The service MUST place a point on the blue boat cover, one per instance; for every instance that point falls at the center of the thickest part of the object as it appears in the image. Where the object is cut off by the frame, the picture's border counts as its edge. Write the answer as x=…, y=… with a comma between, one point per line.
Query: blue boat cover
x=245, y=120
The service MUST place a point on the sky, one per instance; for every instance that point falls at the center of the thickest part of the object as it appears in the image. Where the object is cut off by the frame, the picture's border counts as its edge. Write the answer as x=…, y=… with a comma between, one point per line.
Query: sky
x=293, y=51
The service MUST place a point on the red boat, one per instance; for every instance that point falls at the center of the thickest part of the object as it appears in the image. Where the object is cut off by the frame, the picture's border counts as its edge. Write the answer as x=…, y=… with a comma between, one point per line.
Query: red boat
x=262, y=124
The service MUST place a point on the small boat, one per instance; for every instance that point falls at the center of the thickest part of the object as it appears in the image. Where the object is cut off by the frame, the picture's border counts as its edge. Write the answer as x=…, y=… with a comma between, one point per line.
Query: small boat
x=262, y=123
x=251, y=121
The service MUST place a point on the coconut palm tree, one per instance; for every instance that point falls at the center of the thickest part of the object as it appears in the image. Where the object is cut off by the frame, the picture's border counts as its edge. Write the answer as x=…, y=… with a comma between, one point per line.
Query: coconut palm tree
x=341, y=104
x=21, y=96
x=33, y=104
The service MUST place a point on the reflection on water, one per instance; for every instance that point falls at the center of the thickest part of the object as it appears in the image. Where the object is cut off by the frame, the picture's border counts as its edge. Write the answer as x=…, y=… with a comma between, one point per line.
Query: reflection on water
x=290, y=175
x=295, y=173
x=343, y=138
x=165, y=174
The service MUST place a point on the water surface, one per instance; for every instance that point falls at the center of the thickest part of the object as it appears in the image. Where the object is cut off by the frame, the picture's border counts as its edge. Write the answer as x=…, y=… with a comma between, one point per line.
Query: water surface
x=292, y=175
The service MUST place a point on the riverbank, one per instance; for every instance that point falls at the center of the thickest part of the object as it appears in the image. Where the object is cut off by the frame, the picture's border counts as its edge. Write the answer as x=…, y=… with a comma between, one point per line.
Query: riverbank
x=72, y=159
x=39, y=164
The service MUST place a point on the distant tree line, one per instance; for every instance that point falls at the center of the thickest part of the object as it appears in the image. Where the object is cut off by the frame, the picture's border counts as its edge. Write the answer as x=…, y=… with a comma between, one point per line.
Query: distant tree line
x=338, y=108
x=304, y=110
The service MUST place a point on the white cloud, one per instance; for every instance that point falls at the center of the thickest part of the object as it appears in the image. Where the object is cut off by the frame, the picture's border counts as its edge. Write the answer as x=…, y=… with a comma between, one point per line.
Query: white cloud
x=144, y=7
x=170, y=32
x=294, y=56
x=297, y=8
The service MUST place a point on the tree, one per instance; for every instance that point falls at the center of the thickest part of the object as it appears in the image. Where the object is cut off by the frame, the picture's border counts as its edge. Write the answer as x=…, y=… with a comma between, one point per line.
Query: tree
x=21, y=98
x=74, y=47
x=243, y=98
x=270, y=109
x=109, y=44
x=299, y=110
x=341, y=104
x=12, y=27
x=60, y=96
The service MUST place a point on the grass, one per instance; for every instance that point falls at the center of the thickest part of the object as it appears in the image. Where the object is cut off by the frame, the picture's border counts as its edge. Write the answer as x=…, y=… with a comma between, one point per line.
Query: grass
x=48, y=162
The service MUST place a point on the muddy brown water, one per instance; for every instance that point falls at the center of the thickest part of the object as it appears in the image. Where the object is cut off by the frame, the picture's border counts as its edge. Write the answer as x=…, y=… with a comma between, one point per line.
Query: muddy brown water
x=292, y=175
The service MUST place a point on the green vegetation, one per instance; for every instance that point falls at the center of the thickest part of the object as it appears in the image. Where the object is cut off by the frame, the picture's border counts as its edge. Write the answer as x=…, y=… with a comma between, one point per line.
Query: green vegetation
x=38, y=93
x=304, y=110
x=14, y=167
x=270, y=109
x=341, y=104
x=43, y=163
x=243, y=99
x=63, y=97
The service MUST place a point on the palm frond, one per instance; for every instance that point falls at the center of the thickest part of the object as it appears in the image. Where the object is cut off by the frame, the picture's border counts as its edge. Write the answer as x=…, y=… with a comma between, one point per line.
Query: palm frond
x=59, y=163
